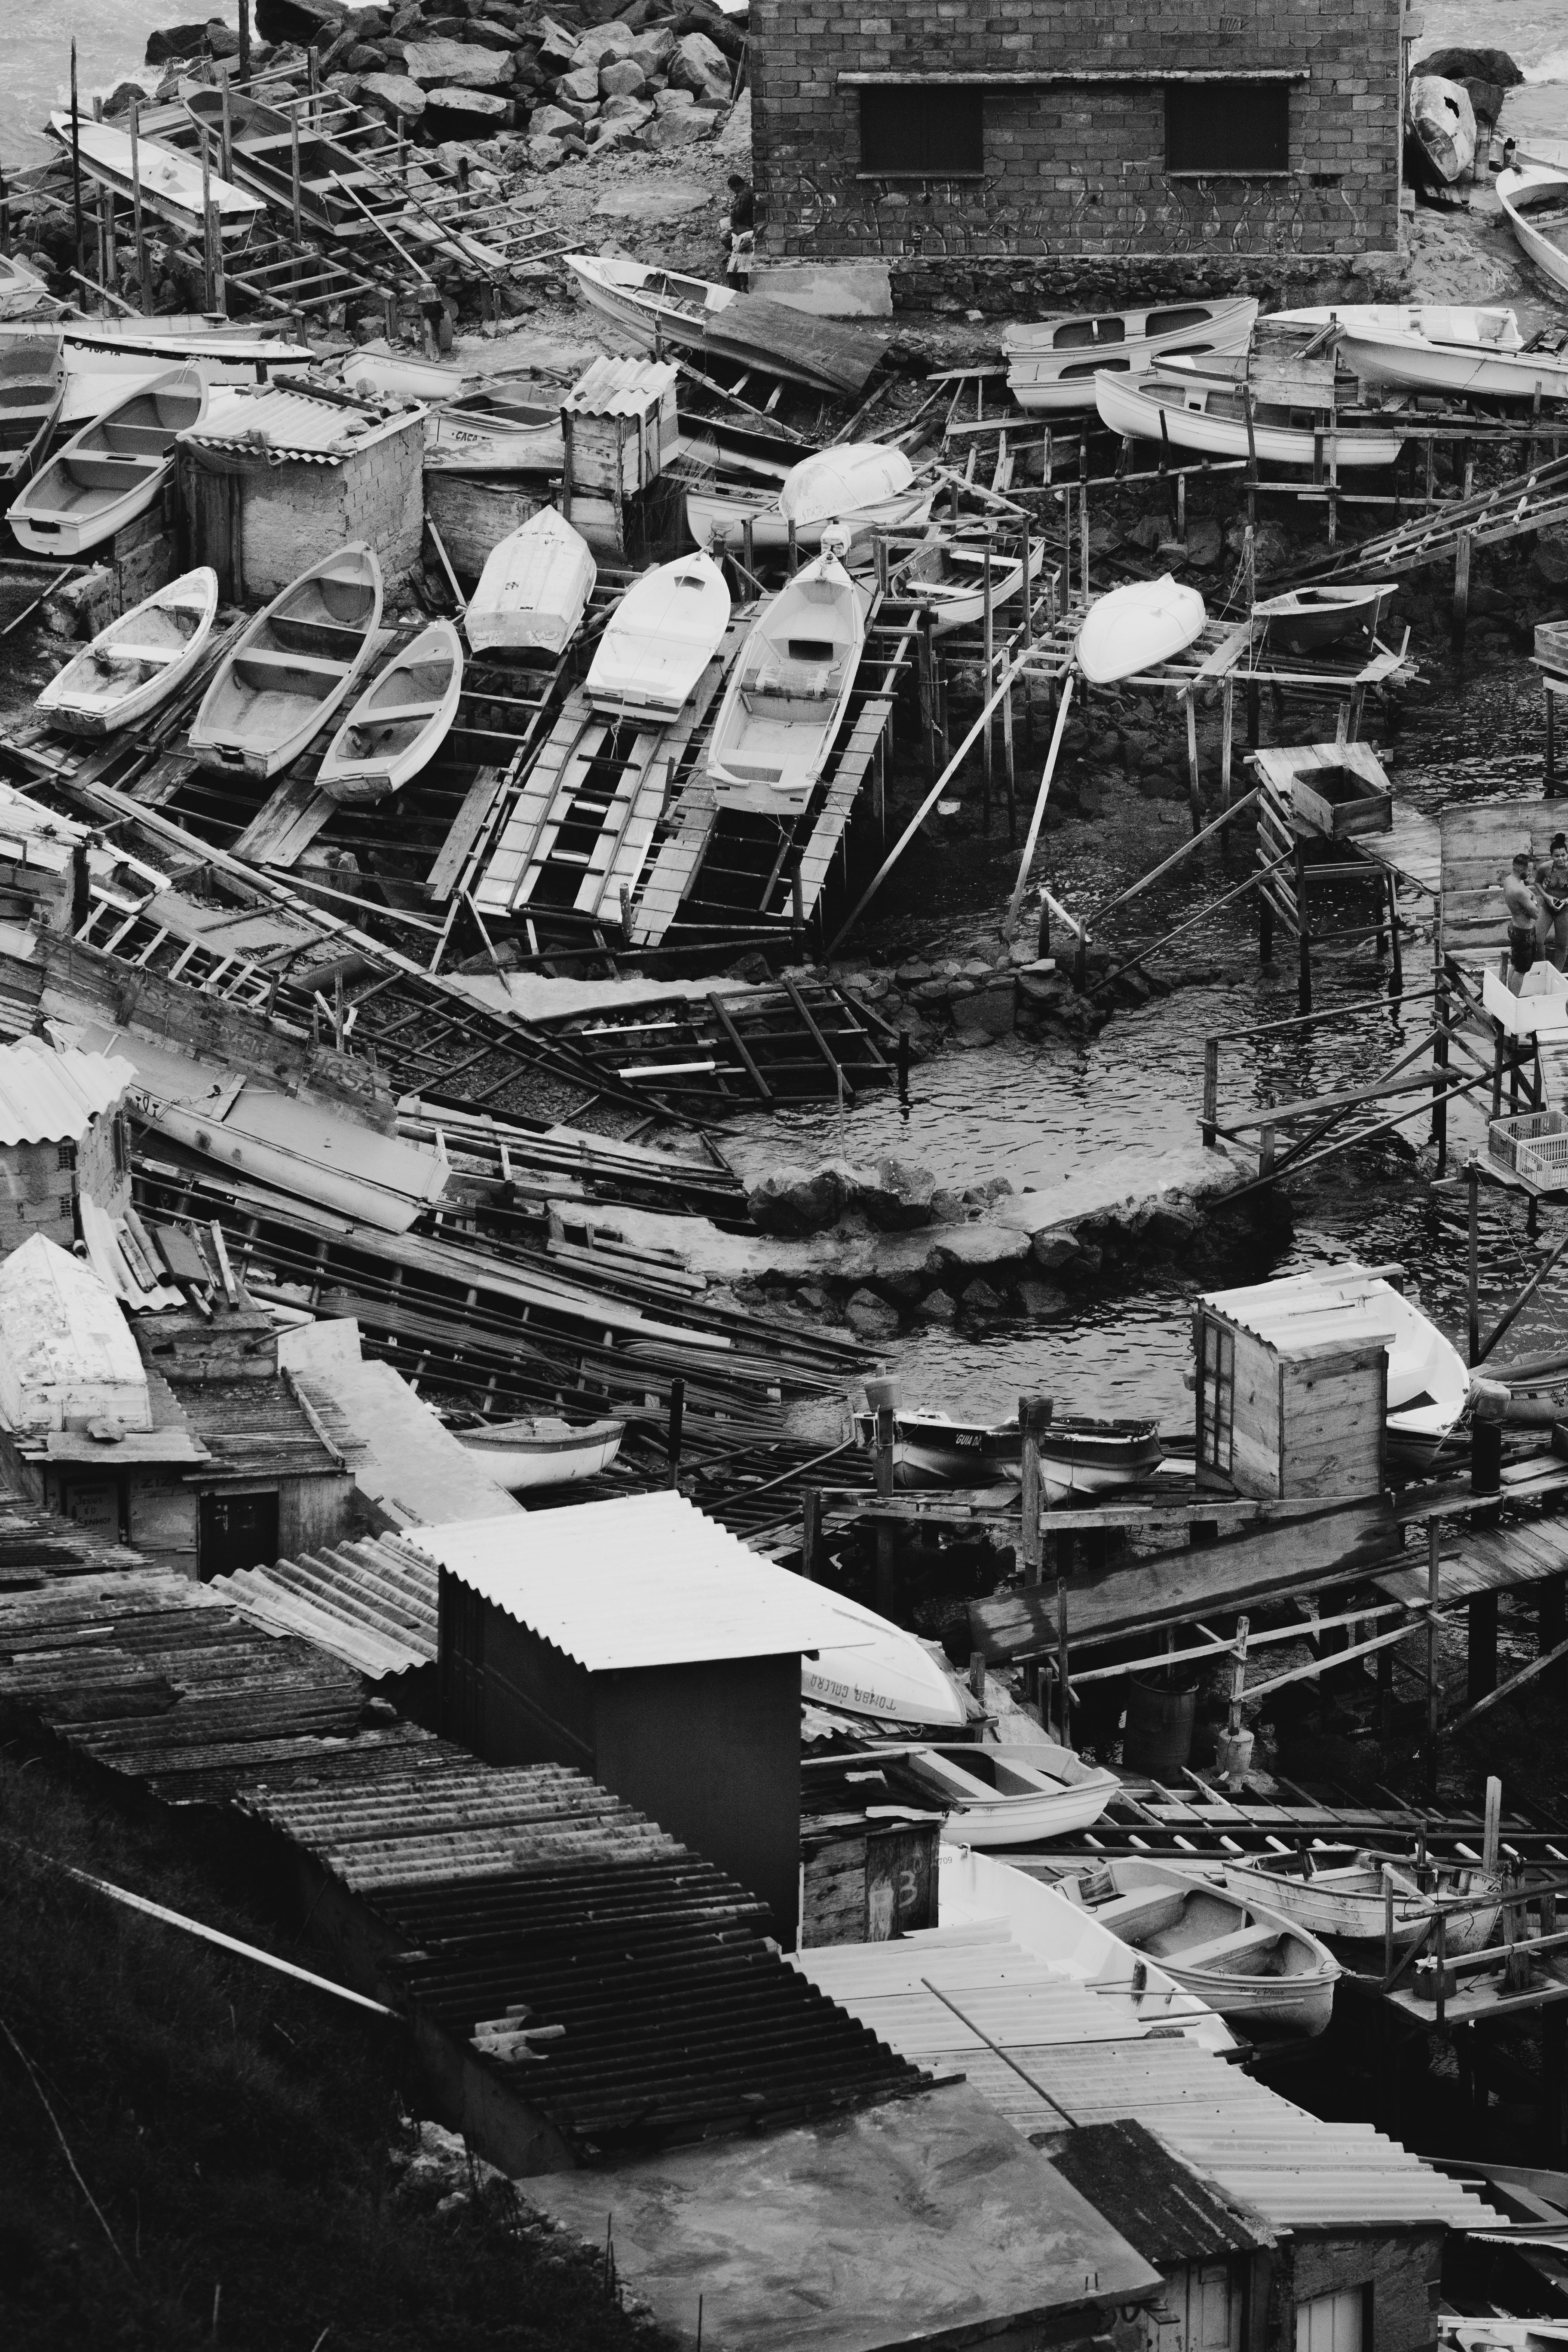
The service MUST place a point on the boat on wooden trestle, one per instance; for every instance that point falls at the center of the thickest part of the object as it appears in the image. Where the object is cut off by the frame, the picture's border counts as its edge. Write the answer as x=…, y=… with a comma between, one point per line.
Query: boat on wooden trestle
x=1261, y=1971
x=534, y=588
x=111, y=471
x=789, y=691
x=1306, y=620
x=1052, y=362
x=722, y=515
x=1341, y=1897
x=399, y=722
x=171, y=183
x=527, y=1455
x=1208, y=414
x=295, y=666
x=1080, y=1457
x=1004, y=1793
x=659, y=641
x=949, y=578
x=32, y=388
x=653, y=304
x=1136, y=627
x=137, y=661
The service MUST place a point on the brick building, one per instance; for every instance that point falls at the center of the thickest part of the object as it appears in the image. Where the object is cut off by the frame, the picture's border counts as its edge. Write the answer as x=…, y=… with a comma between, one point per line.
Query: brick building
x=1032, y=150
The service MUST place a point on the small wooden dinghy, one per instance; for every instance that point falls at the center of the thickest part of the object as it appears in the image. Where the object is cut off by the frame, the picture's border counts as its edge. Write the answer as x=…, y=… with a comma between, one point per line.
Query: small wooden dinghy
x=111, y=471
x=1137, y=627
x=262, y=148
x=32, y=386
x=1208, y=414
x=651, y=304
x=22, y=287
x=535, y=589
x=1419, y=355
x=522, y=1456
x=1308, y=619
x=1006, y=1794
x=1079, y=1455
x=1052, y=362
x=949, y=578
x=1258, y=1968
x=171, y=183
x=1442, y=126
x=399, y=722
x=293, y=668
x=136, y=662
x=1345, y=1902
x=660, y=638
x=881, y=1672
x=1534, y=200
x=789, y=692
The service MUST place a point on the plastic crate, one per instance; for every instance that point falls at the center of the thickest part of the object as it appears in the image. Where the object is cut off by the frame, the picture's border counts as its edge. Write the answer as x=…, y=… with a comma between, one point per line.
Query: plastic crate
x=1536, y=1144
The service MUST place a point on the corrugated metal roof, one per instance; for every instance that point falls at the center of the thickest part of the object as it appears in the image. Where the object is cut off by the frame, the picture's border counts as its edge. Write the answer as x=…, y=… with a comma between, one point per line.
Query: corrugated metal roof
x=644, y=1580
x=279, y=423
x=371, y=1603
x=1156, y=2202
x=1303, y=1311
x=51, y=1098
x=621, y=387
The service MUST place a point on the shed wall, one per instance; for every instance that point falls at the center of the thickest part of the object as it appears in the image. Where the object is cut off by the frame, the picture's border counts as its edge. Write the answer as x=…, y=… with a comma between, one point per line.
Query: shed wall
x=1402, y=2267
x=1334, y=1425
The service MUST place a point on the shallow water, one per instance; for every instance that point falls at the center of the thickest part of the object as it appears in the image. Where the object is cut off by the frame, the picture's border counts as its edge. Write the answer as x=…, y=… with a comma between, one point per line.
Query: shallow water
x=111, y=41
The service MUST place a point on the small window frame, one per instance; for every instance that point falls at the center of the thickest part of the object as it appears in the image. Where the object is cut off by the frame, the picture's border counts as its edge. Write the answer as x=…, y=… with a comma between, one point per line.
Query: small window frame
x=1221, y=97
x=958, y=111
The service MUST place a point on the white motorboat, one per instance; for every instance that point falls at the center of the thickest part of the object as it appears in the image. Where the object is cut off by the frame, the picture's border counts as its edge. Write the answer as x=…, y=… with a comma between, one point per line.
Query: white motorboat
x=293, y=668
x=883, y=1673
x=546, y=1451
x=1208, y=414
x=649, y=303
x=111, y=471
x=660, y=639
x=1257, y=1967
x=1136, y=627
x=1442, y=124
x=1534, y=199
x=949, y=578
x=1341, y=1897
x=721, y=516
x=1416, y=357
x=1006, y=1794
x=137, y=661
x=171, y=183
x=399, y=722
x=22, y=287
x=1052, y=362
x=788, y=692
x=1485, y=326
x=535, y=589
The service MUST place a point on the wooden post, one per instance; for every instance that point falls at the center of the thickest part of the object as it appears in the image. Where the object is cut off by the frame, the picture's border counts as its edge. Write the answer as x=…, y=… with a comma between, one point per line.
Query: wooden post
x=209, y=292
x=1551, y=742
x=677, y=1417
x=1064, y=1686
x=1083, y=514
x=1009, y=767
x=1393, y=938
x=1491, y=1834
x=1303, y=939
x=75, y=164
x=5, y=217
x=1434, y=1593
x=220, y=289
x=1034, y=1416
x=1461, y=588
x=1552, y=1624
x=294, y=170
x=1251, y=463
x=794, y=557
x=1029, y=638
x=1194, y=784
x=1254, y=714
x=810, y=1532
x=1440, y=1075
x=1226, y=754
x=1211, y=1091
x=925, y=676
x=1472, y=1261
x=988, y=629
x=143, y=258
x=245, y=40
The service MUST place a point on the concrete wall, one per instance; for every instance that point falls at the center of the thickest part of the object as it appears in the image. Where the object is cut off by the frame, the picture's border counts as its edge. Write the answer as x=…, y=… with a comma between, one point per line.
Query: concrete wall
x=289, y=516
x=1402, y=2267
x=1075, y=196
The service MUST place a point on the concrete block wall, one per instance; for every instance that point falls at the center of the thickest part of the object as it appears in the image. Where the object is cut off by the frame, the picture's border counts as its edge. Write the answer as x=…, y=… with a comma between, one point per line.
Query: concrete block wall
x=38, y=1195
x=1075, y=196
x=294, y=514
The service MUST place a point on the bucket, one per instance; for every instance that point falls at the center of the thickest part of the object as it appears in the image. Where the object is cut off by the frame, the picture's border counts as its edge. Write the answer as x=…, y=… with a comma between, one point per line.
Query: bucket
x=882, y=1395
x=1159, y=1734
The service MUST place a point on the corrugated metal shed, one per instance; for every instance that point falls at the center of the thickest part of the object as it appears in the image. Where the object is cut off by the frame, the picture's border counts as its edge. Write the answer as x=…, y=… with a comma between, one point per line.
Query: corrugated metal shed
x=971, y=2002
x=51, y=1098
x=644, y=1580
x=1156, y=2202
x=1304, y=1311
x=279, y=425
x=621, y=387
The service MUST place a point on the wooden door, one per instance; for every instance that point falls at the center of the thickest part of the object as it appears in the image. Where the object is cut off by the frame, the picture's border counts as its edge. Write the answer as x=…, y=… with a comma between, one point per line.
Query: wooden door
x=1333, y=2323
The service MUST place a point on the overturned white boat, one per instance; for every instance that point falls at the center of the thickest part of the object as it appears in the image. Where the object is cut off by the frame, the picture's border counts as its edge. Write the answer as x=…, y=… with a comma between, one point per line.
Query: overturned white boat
x=789, y=692
x=660, y=639
x=137, y=661
x=1441, y=123
x=1136, y=627
x=1052, y=362
x=883, y=1673
x=535, y=589
x=170, y=183
x=860, y=487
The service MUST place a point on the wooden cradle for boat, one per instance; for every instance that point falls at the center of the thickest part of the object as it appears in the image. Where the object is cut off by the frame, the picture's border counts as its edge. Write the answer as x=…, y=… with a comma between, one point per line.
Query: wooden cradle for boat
x=1534, y=200
x=1208, y=414
x=522, y=1455
x=1079, y=1455
x=534, y=588
x=788, y=694
x=399, y=722
x=171, y=184
x=293, y=668
x=949, y=578
x=1006, y=1794
x=1305, y=620
x=1136, y=627
x=32, y=387
x=1345, y=1902
x=110, y=471
x=1052, y=364
x=136, y=662
x=1259, y=1970
x=660, y=639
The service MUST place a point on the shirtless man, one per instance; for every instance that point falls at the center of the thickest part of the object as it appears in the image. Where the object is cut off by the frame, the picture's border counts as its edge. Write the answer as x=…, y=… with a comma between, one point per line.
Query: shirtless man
x=1551, y=887
x=1525, y=913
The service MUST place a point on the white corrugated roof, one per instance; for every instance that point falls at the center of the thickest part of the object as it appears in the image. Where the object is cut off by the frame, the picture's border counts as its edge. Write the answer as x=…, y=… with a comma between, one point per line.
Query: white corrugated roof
x=622, y=387
x=644, y=1580
x=1305, y=1310
x=278, y=422
x=49, y=1097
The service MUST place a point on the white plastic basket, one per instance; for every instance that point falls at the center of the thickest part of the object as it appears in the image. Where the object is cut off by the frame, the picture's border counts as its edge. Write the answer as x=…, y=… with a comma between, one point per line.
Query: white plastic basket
x=1536, y=1144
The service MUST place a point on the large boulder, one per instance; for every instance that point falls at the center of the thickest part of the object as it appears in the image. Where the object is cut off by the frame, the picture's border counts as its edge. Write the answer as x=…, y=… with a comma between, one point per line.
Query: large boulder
x=898, y=1197
x=619, y=78
x=581, y=86
x=175, y=41
x=466, y=114
x=702, y=69
x=549, y=122
x=683, y=128
x=1471, y=65
x=607, y=41
x=307, y=21
x=870, y=1317
x=458, y=65
x=394, y=95
x=794, y=1200
x=653, y=51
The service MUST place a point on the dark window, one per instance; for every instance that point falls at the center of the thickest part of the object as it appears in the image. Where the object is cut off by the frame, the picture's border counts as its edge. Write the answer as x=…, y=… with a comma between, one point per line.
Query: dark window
x=64, y=1155
x=236, y=1531
x=1228, y=126
x=920, y=134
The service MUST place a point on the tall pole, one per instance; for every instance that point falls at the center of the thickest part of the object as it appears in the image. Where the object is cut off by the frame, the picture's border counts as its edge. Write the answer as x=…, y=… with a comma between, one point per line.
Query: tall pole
x=209, y=293
x=245, y=40
x=76, y=162
x=143, y=260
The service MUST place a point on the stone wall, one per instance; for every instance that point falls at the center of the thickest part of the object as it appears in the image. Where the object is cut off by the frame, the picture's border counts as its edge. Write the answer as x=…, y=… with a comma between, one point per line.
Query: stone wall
x=1075, y=196
x=294, y=514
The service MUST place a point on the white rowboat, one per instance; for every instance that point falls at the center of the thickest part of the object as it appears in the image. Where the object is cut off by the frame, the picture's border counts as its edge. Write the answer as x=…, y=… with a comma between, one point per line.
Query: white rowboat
x=881, y=1672
x=1304, y=620
x=1006, y=1794
x=660, y=638
x=651, y=304
x=534, y=588
x=136, y=662
x=522, y=1455
x=1052, y=364
x=950, y=580
x=1135, y=628
x=109, y=472
x=788, y=693
x=1534, y=200
x=399, y=722
x=721, y=516
x=1442, y=123
x=22, y=287
x=845, y=480
x=1346, y=1901
x=237, y=355
x=171, y=183
x=1412, y=358
x=1206, y=413
x=295, y=666
x=1257, y=1967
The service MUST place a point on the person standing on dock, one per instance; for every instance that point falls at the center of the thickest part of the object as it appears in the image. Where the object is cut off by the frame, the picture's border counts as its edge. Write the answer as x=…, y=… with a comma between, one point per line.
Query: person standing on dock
x=1552, y=887
x=1525, y=913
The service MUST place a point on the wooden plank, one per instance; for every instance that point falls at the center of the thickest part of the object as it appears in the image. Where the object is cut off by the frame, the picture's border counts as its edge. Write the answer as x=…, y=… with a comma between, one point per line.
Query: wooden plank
x=284, y=827
x=679, y=854
x=848, y=777
x=512, y=858
x=643, y=776
x=466, y=826
x=791, y=342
